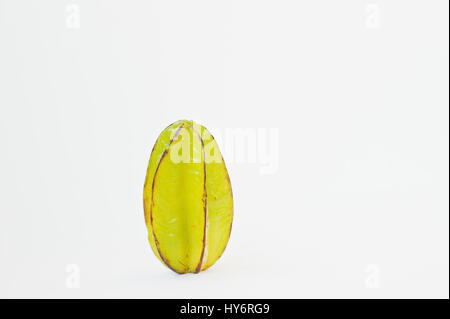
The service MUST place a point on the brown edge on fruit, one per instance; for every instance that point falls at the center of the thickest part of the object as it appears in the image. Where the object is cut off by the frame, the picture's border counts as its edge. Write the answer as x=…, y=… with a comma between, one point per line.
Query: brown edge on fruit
x=151, y=205
x=145, y=185
x=232, y=200
x=205, y=201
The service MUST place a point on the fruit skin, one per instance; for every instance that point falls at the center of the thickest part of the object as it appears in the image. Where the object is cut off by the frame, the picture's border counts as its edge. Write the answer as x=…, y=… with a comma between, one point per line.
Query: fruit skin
x=188, y=201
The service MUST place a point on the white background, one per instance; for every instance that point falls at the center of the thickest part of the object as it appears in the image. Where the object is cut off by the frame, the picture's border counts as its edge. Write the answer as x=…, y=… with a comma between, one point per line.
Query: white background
x=357, y=89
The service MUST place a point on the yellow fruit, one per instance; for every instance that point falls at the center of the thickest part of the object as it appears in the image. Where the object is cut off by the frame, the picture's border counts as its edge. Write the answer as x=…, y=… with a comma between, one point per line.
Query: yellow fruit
x=188, y=203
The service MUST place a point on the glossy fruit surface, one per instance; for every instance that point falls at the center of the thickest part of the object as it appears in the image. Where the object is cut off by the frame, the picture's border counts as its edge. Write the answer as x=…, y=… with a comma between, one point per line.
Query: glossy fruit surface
x=188, y=202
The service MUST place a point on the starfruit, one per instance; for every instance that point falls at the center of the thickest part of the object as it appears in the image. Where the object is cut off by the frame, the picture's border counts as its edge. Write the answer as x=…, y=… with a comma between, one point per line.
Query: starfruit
x=188, y=201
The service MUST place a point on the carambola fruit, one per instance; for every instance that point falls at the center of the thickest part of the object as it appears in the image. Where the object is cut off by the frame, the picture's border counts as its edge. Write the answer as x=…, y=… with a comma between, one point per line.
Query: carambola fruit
x=188, y=203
